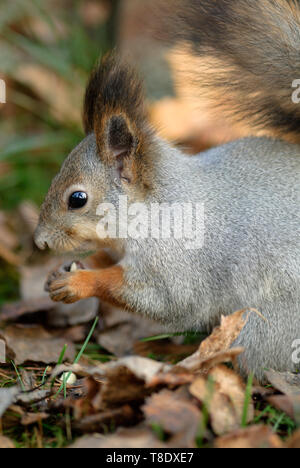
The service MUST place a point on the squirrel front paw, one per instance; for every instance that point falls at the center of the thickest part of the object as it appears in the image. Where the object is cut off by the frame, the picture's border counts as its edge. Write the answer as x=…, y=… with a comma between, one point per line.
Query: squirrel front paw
x=69, y=267
x=68, y=284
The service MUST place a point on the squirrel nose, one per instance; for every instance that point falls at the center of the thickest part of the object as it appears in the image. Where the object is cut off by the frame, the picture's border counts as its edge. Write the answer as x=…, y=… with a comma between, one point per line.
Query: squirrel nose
x=40, y=239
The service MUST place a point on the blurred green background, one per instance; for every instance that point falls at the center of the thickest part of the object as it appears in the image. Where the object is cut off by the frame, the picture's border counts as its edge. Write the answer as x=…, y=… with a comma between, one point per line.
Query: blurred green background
x=47, y=50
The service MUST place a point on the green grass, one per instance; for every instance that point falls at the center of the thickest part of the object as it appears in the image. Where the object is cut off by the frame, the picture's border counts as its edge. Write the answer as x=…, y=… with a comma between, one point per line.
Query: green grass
x=200, y=440
x=280, y=422
x=94, y=352
x=33, y=140
x=248, y=398
x=54, y=433
x=77, y=359
x=189, y=337
x=9, y=283
x=19, y=378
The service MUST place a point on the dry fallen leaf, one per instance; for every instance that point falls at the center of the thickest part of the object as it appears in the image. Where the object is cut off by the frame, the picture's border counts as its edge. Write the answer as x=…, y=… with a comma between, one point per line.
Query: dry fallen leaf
x=29, y=214
x=122, y=386
x=94, y=12
x=117, y=417
x=122, y=330
x=7, y=237
x=7, y=398
x=96, y=372
x=223, y=394
x=35, y=344
x=13, y=311
x=170, y=352
x=123, y=381
x=33, y=397
x=32, y=418
x=6, y=443
x=289, y=384
x=138, y=437
x=64, y=100
x=8, y=242
x=289, y=404
x=294, y=441
x=176, y=377
x=176, y=415
x=9, y=256
x=252, y=437
x=215, y=348
x=285, y=382
x=142, y=368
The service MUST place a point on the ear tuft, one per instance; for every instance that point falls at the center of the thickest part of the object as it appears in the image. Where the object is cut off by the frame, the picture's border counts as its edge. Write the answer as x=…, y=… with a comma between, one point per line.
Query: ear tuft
x=114, y=89
x=114, y=110
x=120, y=139
x=113, y=86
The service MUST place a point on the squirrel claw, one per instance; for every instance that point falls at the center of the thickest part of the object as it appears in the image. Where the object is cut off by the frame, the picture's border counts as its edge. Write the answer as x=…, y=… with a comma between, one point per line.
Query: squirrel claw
x=58, y=274
x=61, y=290
x=67, y=287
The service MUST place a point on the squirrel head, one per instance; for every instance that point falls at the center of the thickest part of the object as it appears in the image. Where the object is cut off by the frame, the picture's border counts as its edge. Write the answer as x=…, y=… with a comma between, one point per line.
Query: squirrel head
x=113, y=159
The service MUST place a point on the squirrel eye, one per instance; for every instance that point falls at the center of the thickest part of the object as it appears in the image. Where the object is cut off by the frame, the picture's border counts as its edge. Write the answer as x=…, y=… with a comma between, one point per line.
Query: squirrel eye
x=77, y=200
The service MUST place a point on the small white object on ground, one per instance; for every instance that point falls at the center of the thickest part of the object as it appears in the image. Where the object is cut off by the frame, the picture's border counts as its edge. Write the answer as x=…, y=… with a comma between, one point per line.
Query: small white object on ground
x=73, y=267
x=68, y=377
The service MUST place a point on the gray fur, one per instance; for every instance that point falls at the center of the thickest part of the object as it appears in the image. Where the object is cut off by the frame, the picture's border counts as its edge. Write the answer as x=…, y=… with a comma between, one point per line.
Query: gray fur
x=251, y=254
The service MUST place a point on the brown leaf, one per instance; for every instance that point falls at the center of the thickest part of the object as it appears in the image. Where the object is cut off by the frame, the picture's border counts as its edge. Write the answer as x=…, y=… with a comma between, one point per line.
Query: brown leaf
x=232, y=385
x=35, y=344
x=94, y=12
x=113, y=417
x=289, y=384
x=285, y=382
x=170, y=352
x=126, y=379
x=294, y=441
x=28, y=380
x=175, y=415
x=7, y=398
x=8, y=242
x=176, y=377
x=121, y=387
x=64, y=100
x=76, y=334
x=44, y=30
x=289, y=404
x=7, y=237
x=32, y=418
x=219, y=342
x=9, y=256
x=13, y=311
x=29, y=214
x=143, y=368
x=262, y=392
x=219, y=358
x=223, y=394
x=138, y=437
x=252, y=437
x=33, y=397
x=96, y=372
x=122, y=330
x=6, y=443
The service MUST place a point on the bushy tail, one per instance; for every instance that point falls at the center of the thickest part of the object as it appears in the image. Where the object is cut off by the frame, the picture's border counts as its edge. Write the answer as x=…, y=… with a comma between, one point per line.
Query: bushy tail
x=244, y=55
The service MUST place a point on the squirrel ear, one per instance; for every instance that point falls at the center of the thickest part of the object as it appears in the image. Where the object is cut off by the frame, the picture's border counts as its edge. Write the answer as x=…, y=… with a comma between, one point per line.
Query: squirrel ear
x=121, y=145
x=115, y=111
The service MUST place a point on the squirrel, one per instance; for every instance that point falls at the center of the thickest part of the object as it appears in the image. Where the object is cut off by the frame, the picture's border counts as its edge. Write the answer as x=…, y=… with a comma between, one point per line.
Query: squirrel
x=249, y=191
